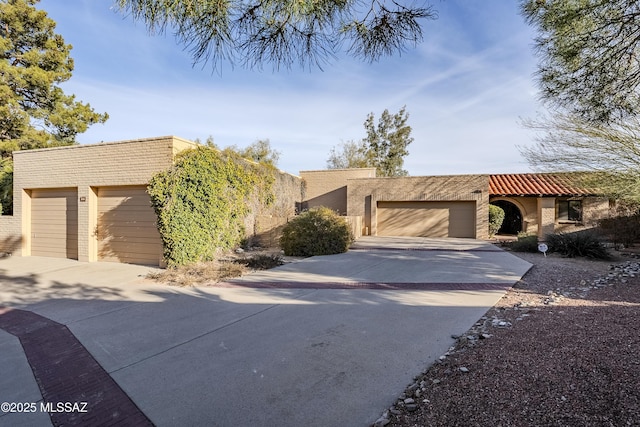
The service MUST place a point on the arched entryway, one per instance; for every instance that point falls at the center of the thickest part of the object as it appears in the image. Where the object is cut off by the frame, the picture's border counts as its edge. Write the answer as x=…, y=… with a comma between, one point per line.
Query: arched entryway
x=512, y=223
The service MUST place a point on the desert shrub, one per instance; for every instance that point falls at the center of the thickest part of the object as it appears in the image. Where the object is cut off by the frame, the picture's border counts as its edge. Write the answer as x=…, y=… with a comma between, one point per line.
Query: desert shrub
x=318, y=231
x=496, y=217
x=525, y=243
x=623, y=227
x=263, y=261
x=580, y=244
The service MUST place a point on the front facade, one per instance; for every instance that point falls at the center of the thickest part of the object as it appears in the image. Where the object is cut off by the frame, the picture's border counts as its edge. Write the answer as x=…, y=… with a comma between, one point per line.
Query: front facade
x=458, y=205
x=88, y=202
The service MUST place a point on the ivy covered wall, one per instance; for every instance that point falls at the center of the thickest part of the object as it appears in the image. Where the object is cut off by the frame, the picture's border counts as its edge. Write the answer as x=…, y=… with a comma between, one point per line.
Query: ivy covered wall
x=212, y=200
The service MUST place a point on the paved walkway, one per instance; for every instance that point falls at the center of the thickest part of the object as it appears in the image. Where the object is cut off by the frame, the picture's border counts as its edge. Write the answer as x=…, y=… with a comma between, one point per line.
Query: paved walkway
x=286, y=355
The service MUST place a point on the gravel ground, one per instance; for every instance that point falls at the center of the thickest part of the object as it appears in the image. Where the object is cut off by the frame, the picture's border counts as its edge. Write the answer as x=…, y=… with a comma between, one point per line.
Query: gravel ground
x=562, y=348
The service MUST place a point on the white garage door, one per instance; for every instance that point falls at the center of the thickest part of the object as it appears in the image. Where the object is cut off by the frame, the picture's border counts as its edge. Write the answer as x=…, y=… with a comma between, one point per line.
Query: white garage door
x=427, y=219
x=127, y=230
x=54, y=223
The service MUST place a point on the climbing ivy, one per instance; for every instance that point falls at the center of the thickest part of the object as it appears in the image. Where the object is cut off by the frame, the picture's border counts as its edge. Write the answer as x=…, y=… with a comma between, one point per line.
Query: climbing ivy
x=202, y=201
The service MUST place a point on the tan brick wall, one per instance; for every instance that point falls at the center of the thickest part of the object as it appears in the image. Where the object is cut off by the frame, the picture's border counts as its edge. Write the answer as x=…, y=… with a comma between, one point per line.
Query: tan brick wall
x=363, y=195
x=87, y=167
x=264, y=225
x=593, y=210
x=329, y=187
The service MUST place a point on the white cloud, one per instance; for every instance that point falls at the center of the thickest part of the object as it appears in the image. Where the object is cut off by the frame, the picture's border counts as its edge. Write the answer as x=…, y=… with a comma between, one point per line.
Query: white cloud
x=464, y=88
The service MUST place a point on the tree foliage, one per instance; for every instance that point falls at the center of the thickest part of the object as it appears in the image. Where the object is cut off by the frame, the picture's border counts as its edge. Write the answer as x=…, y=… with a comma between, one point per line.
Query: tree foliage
x=384, y=147
x=350, y=154
x=201, y=202
x=34, y=111
x=610, y=152
x=588, y=55
x=259, y=152
x=283, y=32
x=496, y=218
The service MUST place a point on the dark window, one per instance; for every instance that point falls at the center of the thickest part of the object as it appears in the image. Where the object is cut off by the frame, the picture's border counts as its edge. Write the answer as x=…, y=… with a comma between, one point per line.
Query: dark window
x=570, y=210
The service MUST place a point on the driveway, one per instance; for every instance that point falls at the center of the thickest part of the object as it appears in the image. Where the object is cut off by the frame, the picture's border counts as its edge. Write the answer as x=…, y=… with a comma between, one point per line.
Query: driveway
x=327, y=341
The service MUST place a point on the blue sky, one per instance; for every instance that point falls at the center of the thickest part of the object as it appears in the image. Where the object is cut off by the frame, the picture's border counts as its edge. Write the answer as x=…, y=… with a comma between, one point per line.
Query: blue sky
x=465, y=87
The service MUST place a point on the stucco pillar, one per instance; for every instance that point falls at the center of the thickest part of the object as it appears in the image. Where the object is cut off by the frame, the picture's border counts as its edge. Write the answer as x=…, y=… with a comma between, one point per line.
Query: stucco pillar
x=24, y=210
x=87, y=224
x=546, y=216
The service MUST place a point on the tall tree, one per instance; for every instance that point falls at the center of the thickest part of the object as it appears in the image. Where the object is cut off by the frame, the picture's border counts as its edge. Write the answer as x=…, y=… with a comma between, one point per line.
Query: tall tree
x=350, y=154
x=588, y=49
x=609, y=152
x=283, y=32
x=384, y=147
x=34, y=111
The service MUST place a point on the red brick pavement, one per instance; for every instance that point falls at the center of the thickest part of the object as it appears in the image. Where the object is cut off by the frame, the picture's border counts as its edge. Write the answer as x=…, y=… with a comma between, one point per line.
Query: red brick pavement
x=68, y=374
x=367, y=285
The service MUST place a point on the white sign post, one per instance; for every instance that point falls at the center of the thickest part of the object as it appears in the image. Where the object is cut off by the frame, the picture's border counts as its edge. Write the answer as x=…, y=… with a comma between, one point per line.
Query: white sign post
x=542, y=247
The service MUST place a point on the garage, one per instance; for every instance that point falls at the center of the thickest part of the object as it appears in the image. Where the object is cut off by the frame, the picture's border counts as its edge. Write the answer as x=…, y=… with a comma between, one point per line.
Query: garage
x=54, y=223
x=127, y=230
x=427, y=218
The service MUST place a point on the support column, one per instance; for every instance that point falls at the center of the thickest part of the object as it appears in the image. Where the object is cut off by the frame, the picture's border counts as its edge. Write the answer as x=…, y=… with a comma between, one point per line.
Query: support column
x=546, y=216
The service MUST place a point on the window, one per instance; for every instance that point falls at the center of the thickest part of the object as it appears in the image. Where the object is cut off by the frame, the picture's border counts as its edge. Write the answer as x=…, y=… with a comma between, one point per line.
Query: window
x=570, y=210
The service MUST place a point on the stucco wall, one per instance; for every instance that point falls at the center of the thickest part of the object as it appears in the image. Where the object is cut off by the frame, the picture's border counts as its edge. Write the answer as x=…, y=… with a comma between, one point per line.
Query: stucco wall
x=363, y=195
x=594, y=209
x=329, y=187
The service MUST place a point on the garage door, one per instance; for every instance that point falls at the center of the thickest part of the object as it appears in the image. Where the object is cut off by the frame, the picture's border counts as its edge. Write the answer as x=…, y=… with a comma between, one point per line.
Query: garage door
x=127, y=230
x=54, y=223
x=427, y=219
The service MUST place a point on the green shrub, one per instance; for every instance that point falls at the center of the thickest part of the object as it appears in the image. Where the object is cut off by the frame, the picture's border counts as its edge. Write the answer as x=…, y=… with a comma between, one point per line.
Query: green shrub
x=496, y=217
x=525, y=243
x=318, y=231
x=580, y=244
x=202, y=201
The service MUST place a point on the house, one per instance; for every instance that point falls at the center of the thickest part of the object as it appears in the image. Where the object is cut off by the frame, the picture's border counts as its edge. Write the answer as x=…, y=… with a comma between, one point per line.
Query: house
x=89, y=202
x=456, y=205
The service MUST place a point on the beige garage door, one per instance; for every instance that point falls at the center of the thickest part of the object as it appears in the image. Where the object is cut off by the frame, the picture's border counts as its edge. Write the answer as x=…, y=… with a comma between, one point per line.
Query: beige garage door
x=427, y=219
x=127, y=230
x=54, y=223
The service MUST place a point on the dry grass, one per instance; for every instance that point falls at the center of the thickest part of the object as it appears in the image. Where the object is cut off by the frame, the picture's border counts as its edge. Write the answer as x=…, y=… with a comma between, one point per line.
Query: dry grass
x=225, y=267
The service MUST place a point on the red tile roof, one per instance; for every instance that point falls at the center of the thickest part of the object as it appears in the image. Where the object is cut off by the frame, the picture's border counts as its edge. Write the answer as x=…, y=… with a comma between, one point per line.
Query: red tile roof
x=536, y=184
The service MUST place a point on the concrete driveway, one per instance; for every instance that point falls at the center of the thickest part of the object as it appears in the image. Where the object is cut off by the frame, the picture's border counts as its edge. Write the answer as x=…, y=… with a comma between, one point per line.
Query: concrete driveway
x=327, y=341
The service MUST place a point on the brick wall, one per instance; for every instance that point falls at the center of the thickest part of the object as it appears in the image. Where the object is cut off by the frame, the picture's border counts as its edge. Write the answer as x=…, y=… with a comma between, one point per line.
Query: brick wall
x=363, y=195
x=264, y=225
x=84, y=167
x=329, y=187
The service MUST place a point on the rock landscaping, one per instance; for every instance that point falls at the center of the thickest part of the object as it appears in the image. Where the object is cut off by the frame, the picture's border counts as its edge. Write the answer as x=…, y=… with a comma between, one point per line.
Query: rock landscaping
x=560, y=349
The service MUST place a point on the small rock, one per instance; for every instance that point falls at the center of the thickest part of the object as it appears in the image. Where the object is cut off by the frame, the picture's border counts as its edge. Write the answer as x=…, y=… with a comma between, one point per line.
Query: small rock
x=463, y=369
x=381, y=422
x=436, y=381
x=412, y=407
x=409, y=401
